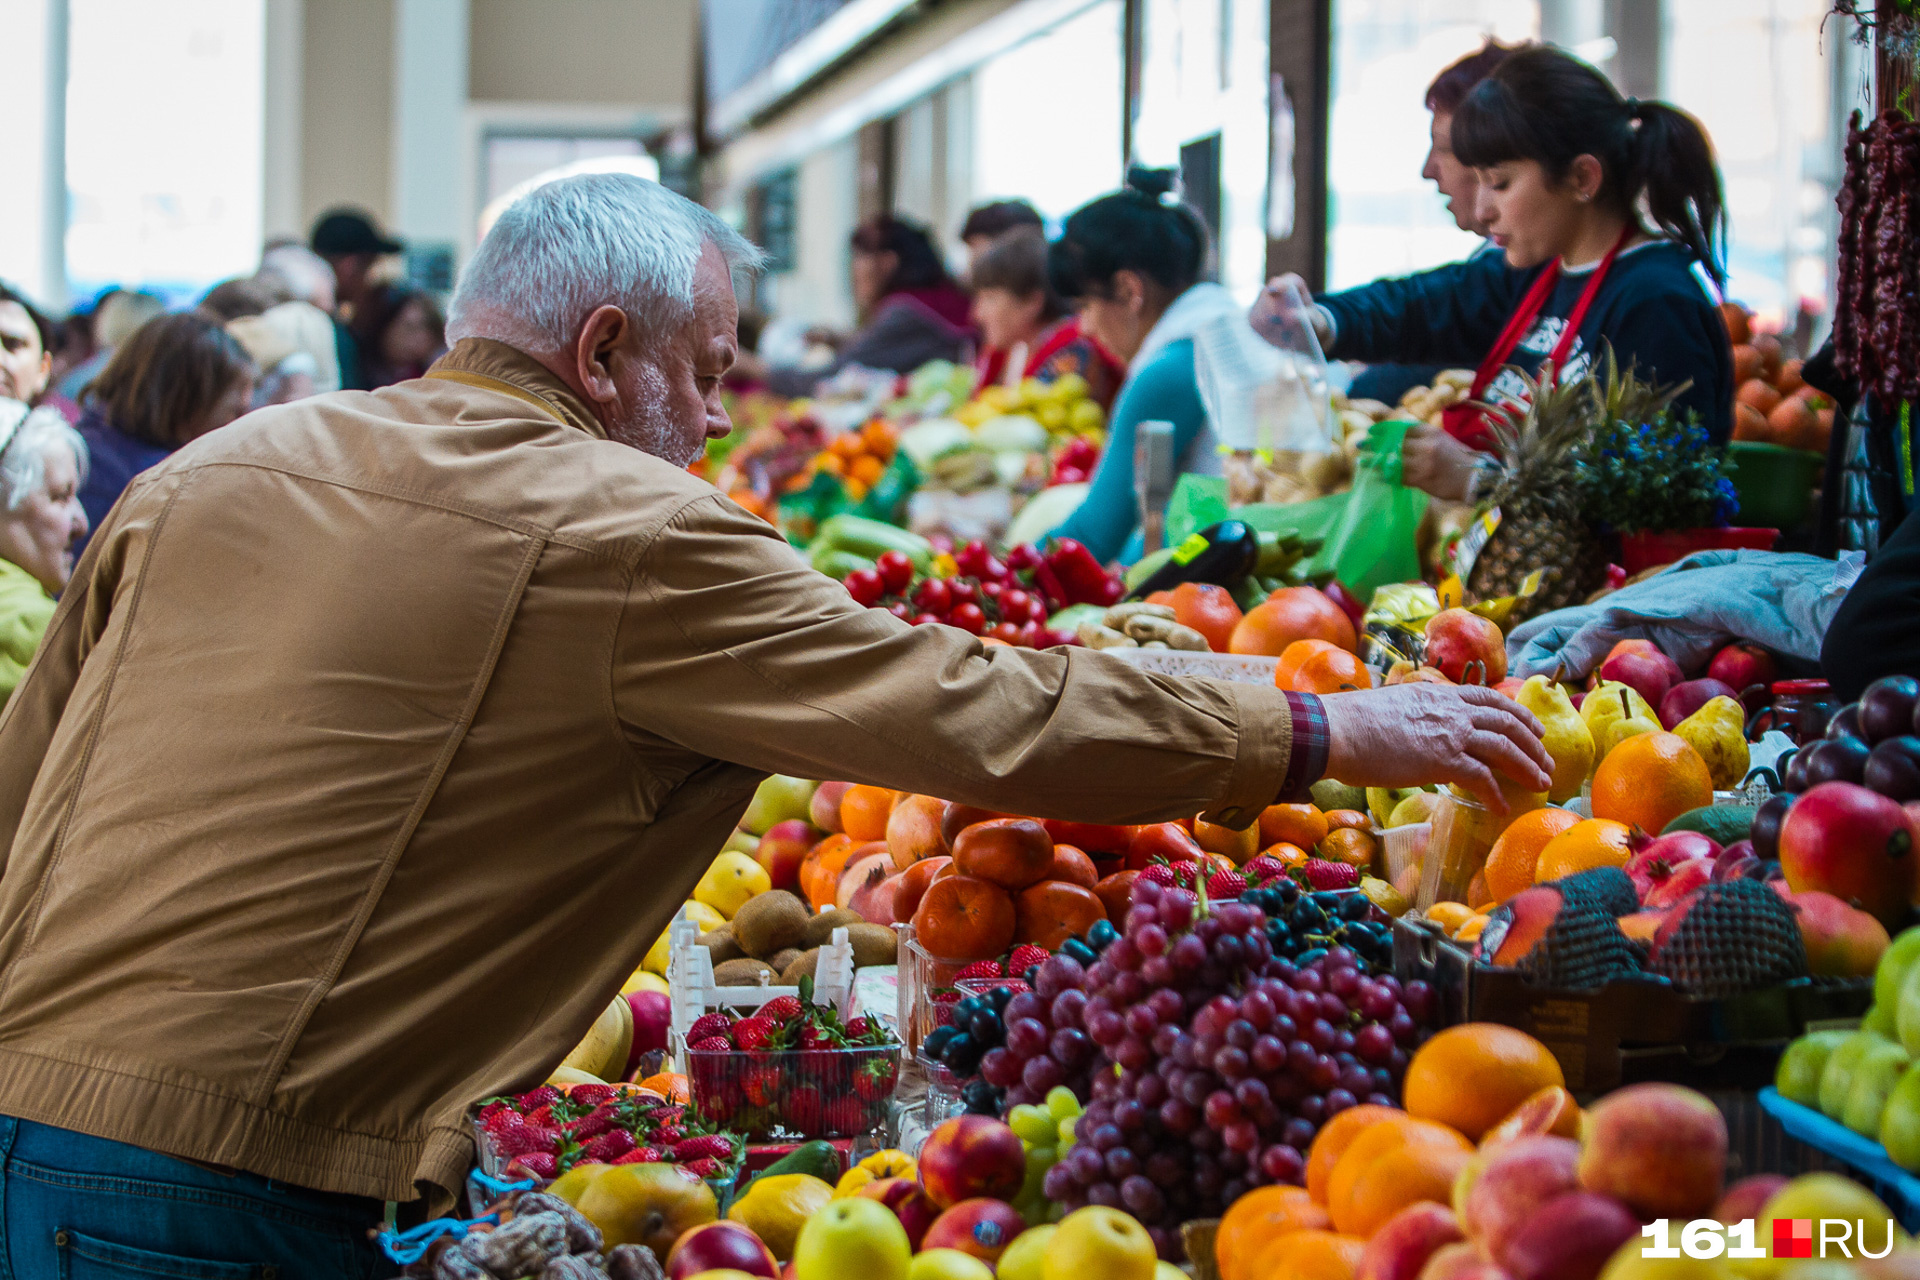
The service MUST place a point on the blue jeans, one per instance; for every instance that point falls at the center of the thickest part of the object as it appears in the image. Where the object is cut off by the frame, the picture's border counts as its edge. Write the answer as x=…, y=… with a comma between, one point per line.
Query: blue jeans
x=74, y=1207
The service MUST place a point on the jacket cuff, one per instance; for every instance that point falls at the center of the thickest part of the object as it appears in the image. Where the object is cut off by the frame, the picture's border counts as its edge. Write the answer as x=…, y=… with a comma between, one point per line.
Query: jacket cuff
x=1268, y=752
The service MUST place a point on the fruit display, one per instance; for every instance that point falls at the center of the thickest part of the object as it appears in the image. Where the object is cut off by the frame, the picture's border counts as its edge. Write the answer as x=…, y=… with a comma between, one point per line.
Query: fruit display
x=792, y=1069
x=1023, y=437
x=1772, y=403
x=548, y=1132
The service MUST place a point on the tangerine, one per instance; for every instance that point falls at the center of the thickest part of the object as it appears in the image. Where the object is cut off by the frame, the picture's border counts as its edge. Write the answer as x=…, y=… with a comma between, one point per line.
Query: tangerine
x=671, y=1086
x=1049, y=913
x=1406, y=1175
x=1353, y=847
x=1649, y=780
x=1311, y=1255
x=1291, y=855
x=1011, y=852
x=1471, y=1076
x=1511, y=861
x=1335, y=1136
x=1208, y=609
x=1289, y=614
x=1073, y=866
x=1476, y=924
x=1338, y=818
x=1353, y=1195
x=1589, y=843
x=864, y=811
x=965, y=918
x=824, y=863
x=1320, y=666
x=1257, y=1219
x=1298, y=824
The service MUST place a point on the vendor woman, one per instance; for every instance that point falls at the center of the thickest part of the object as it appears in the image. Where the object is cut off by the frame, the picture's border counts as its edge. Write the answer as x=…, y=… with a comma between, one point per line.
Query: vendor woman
x=1132, y=262
x=1565, y=166
x=1019, y=314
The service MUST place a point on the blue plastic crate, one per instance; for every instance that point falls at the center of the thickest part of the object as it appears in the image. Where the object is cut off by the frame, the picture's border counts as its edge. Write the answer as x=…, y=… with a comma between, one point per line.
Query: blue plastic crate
x=1866, y=1158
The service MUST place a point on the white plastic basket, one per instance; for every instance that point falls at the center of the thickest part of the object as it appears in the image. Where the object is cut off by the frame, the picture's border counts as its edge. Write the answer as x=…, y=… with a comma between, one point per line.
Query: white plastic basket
x=692, y=991
x=1237, y=667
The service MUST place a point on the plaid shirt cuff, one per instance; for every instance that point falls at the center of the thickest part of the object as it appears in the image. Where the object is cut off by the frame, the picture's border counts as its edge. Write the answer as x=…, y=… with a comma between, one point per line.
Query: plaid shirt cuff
x=1307, y=762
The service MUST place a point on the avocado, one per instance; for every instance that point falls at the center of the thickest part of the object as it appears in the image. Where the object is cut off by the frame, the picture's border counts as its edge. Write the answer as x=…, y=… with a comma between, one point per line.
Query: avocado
x=1724, y=824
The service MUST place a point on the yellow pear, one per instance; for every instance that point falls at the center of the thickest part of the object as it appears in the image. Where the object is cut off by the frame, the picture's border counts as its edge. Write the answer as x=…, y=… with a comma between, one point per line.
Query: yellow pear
x=1718, y=731
x=1605, y=707
x=1568, y=740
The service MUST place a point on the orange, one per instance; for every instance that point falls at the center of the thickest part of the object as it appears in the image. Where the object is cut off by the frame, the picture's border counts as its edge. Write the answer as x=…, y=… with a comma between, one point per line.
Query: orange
x=1511, y=861
x=1353, y=847
x=1470, y=931
x=1311, y=1255
x=863, y=813
x=1649, y=780
x=1450, y=915
x=1389, y=1183
x=1208, y=609
x=674, y=1088
x=1291, y=855
x=1473, y=1075
x=1289, y=614
x=1355, y=1197
x=1594, y=842
x=1338, y=818
x=1301, y=824
x=1295, y=654
x=828, y=859
x=1257, y=1219
x=879, y=436
x=1335, y=1136
x=1318, y=666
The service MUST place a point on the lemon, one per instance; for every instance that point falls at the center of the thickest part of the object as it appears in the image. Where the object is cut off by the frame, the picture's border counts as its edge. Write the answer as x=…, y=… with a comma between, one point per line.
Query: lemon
x=704, y=916
x=656, y=961
x=730, y=881
x=775, y=1208
x=644, y=979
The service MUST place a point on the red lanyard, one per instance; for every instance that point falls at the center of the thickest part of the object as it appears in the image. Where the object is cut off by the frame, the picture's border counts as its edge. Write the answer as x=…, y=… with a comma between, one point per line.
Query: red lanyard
x=1466, y=423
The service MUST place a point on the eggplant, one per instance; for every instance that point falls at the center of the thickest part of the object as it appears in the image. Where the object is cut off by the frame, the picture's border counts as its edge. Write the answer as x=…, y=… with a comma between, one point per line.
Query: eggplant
x=1221, y=554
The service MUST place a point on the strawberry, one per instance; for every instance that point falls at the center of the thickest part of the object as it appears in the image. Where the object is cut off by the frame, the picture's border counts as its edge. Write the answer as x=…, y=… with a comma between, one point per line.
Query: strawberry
x=1264, y=868
x=593, y=1124
x=1226, y=884
x=1322, y=874
x=501, y=1120
x=874, y=1080
x=705, y=1167
x=1026, y=956
x=538, y=1165
x=1159, y=873
x=707, y=1025
x=804, y=1109
x=1014, y=985
x=545, y=1095
x=609, y=1146
x=710, y=1145
x=763, y=1084
x=782, y=1009
x=712, y=1044
x=815, y=1037
x=845, y=1114
x=492, y=1109
x=592, y=1095
x=981, y=969
x=641, y=1155
x=544, y=1117
x=753, y=1033
x=857, y=1028
x=669, y=1133
x=526, y=1139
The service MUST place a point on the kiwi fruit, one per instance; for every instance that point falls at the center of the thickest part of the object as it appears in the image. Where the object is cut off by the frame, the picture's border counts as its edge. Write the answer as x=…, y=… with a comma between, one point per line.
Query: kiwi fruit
x=820, y=928
x=770, y=922
x=722, y=943
x=743, y=973
x=872, y=944
x=781, y=959
x=802, y=966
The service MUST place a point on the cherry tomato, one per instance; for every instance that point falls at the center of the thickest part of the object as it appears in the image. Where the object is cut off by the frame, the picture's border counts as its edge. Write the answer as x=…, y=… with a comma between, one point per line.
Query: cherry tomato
x=1006, y=631
x=865, y=586
x=1024, y=556
x=935, y=595
x=968, y=618
x=900, y=610
x=922, y=619
x=963, y=590
x=1016, y=606
x=993, y=571
x=993, y=591
x=1033, y=636
x=895, y=570
x=971, y=557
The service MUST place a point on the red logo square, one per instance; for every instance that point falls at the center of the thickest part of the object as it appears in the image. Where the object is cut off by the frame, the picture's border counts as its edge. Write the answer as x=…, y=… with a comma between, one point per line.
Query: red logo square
x=1793, y=1237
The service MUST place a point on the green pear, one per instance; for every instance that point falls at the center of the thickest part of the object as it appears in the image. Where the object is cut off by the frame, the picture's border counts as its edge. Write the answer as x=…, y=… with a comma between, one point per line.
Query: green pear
x=1895, y=963
x=1798, y=1075
x=1718, y=731
x=1906, y=1011
x=1568, y=740
x=1882, y=1020
x=1331, y=794
x=1836, y=1078
x=1900, y=1121
x=777, y=799
x=1381, y=802
x=1874, y=1077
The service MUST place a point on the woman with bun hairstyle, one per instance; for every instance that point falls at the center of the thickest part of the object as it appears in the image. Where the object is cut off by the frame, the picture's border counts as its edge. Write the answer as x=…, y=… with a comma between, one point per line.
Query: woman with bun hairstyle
x=1603, y=208
x=1131, y=263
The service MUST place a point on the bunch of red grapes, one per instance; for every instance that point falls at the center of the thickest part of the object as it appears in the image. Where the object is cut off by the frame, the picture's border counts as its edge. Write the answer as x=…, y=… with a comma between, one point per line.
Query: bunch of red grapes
x=1210, y=1063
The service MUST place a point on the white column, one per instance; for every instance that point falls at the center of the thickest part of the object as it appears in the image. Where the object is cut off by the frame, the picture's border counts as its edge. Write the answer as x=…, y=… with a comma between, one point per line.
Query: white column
x=284, y=95
x=33, y=150
x=429, y=99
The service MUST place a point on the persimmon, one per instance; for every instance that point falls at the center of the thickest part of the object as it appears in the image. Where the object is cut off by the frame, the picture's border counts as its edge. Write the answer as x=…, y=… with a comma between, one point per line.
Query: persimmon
x=1208, y=609
x=1049, y=913
x=965, y=918
x=1168, y=840
x=1072, y=866
x=1011, y=852
x=1760, y=395
x=1116, y=894
x=913, y=884
x=1289, y=614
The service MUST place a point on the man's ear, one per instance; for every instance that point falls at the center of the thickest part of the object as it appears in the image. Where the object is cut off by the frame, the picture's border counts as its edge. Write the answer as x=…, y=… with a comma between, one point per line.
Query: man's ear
x=600, y=337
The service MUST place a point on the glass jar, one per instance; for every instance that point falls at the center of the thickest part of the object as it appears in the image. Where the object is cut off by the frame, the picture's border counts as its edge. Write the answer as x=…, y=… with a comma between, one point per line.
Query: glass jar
x=1800, y=709
x=1463, y=833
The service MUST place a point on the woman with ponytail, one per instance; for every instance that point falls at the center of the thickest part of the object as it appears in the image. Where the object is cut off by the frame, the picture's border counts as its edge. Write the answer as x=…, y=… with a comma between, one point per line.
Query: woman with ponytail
x=1603, y=208
x=1131, y=264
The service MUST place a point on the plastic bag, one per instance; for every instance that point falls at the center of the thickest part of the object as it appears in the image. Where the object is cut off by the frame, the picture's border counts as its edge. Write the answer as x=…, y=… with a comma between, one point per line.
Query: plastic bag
x=1375, y=540
x=1266, y=392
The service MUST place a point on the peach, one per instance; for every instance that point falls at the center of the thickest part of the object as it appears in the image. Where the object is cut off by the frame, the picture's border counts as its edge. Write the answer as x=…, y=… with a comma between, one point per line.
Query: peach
x=1745, y=1198
x=1841, y=942
x=1404, y=1242
x=824, y=808
x=914, y=830
x=1570, y=1237
x=1648, y=672
x=909, y=1202
x=1460, y=1262
x=1514, y=1182
x=970, y=1156
x=1466, y=648
x=782, y=850
x=982, y=1226
x=1659, y=1148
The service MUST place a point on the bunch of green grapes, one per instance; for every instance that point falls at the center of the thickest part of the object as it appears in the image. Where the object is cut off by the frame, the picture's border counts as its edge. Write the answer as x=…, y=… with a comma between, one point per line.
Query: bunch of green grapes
x=1047, y=1133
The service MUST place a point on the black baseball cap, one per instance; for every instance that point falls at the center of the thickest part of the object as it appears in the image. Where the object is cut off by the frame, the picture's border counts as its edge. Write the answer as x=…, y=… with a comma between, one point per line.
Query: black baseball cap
x=345, y=231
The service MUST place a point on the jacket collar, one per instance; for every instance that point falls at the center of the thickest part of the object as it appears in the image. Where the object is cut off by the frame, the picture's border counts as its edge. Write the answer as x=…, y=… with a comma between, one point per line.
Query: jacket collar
x=495, y=366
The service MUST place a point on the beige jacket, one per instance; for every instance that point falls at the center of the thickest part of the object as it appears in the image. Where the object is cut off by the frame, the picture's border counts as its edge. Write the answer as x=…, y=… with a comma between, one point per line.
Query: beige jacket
x=380, y=734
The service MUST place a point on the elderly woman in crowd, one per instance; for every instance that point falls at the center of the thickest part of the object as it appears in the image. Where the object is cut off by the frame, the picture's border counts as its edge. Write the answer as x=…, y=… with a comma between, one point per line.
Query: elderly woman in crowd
x=43, y=461
x=292, y=346
x=177, y=378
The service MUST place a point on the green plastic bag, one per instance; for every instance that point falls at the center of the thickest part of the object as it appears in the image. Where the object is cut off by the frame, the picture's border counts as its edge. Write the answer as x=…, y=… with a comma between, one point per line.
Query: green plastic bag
x=1197, y=502
x=1375, y=540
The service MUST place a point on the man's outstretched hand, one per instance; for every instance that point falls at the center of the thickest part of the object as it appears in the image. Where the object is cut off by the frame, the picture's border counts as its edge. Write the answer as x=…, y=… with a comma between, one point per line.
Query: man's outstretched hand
x=1411, y=735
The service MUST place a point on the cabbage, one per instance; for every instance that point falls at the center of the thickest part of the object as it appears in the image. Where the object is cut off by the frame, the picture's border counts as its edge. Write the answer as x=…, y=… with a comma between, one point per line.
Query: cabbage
x=1012, y=433
x=934, y=438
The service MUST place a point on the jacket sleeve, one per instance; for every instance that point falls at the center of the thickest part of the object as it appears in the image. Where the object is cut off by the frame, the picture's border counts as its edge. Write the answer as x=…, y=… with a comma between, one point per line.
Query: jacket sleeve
x=730, y=646
x=1873, y=634
x=1450, y=315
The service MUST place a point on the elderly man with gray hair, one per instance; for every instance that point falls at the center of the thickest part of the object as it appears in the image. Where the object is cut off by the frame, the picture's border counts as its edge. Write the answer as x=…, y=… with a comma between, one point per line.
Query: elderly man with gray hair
x=378, y=735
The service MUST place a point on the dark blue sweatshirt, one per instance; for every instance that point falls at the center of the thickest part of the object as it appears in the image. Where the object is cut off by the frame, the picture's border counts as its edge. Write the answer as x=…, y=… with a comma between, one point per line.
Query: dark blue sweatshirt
x=1651, y=308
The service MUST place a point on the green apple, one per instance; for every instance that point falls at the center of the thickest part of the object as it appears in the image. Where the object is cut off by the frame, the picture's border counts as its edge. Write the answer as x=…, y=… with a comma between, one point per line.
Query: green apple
x=777, y=799
x=1836, y=1078
x=1891, y=974
x=1096, y=1241
x=1878, y=1071
x=1024, y=1257
x=1900, y=1122
x=1798, y=1075
x=948, y=1264
x=1381, y=801
x=852, y=1237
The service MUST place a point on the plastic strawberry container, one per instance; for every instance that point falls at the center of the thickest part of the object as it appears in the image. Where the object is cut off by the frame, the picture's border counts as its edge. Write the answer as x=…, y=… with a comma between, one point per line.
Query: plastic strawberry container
x=929, y=986
x=795, y=1093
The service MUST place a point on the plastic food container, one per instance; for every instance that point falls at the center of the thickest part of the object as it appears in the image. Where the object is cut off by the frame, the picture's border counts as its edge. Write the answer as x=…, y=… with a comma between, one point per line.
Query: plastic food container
x=800, y=1093
x=1462, y=833
x=1800, y=709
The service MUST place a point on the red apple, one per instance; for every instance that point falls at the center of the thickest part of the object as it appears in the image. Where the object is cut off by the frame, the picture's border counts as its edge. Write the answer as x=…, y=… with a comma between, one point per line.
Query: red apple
x=982, y=1226
x=1689, y=696
x=652, y=1014
x=783, y=849
x=1853, y=843
x=1841, y=942
x=824, y=808
x=1748, y=668
x=971, y=1156
x=717, y=1246
x=1466, y=648
x=1648, y=672
x=1652, y=866
x=910, y=1203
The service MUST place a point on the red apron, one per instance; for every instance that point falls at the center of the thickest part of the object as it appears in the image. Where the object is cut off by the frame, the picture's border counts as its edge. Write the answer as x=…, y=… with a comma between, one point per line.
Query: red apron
x=1466, y=421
